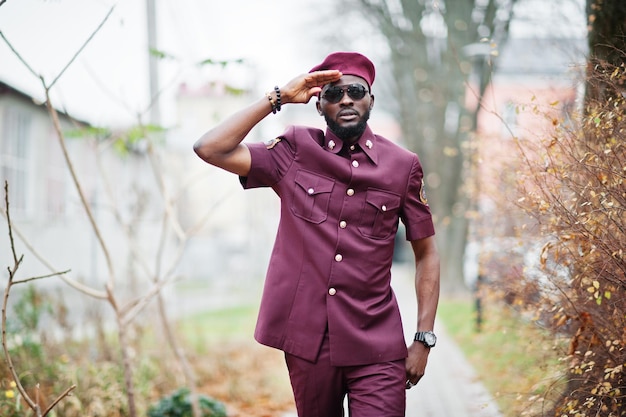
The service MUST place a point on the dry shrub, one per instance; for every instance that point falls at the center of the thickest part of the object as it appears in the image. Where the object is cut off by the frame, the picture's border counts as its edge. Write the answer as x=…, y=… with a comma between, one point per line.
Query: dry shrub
x=251, y=379
x=575, y=188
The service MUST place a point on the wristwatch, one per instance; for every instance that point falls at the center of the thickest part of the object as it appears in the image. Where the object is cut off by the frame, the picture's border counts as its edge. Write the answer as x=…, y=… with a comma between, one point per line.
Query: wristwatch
x=427, y=338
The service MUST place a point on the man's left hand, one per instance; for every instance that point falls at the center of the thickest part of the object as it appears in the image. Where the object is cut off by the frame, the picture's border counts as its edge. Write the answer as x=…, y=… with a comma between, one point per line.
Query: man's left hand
x=416, y=363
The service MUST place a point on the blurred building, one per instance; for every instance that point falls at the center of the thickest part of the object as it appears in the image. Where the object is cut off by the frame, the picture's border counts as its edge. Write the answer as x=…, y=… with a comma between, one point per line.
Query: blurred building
x=535, y=84
x=50, y=225
x=44, y=205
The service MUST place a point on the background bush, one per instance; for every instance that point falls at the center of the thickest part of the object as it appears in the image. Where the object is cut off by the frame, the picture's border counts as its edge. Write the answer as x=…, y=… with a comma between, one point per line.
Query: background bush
x=575, y=188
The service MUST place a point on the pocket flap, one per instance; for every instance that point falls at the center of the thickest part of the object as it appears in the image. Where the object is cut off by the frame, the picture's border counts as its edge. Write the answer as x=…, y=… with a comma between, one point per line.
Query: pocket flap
x=382, y=200
x=313, y=184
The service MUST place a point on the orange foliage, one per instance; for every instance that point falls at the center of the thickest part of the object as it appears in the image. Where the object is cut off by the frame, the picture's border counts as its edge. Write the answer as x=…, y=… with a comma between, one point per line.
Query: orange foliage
x=575, y=189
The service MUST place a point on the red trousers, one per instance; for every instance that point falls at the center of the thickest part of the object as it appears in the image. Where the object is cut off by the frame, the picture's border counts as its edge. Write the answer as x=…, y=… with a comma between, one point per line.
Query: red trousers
x=376, y=390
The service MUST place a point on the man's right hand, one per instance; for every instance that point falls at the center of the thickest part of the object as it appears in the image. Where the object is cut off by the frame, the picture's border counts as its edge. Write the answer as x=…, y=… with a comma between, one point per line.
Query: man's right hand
x=303, y=87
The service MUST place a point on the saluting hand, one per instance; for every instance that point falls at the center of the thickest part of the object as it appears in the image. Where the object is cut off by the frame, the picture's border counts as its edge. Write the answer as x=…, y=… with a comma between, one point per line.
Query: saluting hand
x=305, y=86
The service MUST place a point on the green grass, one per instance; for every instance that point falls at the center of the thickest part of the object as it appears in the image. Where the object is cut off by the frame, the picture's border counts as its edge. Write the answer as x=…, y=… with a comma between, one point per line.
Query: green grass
x=233, y=323
x=514, y=358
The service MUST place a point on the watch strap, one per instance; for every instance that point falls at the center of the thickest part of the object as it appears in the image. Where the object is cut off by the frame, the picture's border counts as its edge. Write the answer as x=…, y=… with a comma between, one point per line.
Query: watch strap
x=428, y=338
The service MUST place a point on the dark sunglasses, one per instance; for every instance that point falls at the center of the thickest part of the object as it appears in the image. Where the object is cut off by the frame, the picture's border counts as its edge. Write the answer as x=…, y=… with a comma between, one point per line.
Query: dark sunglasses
x=334, y=94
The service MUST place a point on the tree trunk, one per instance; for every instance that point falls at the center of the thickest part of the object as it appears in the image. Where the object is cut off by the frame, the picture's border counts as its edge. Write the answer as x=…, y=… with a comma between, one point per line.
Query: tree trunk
x=430, y=80
x=607, y=49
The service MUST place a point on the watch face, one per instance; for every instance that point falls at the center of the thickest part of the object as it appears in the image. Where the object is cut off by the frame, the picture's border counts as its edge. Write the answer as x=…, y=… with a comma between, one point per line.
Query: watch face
x=430, y=339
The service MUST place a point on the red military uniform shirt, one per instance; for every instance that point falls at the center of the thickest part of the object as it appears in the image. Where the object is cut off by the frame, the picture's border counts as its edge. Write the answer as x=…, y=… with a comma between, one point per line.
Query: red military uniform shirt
x=330, y=267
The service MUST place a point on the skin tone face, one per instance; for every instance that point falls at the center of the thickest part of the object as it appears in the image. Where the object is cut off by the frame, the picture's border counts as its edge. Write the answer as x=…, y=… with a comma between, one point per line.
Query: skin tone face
x=347, y=118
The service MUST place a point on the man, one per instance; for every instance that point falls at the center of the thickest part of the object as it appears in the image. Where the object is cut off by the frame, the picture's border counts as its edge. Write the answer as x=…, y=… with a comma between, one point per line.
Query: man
x=327, y=301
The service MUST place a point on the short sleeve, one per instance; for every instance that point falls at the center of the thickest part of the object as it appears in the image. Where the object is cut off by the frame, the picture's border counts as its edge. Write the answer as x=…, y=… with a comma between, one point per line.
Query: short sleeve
x=269, y=162
x=416, y=215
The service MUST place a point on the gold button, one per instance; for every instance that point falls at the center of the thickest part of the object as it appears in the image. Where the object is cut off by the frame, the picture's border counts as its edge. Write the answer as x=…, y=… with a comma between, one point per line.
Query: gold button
x=352, y=147
x=355, y=164
x=384, y=208
x=350, y=192
x=332, y=291
x=310, y=191
x=338, y=257
x=343, y=224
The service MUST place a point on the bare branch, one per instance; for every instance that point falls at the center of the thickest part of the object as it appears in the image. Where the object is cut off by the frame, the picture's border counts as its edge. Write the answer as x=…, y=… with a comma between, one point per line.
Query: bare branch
x=32, y=71
x=82, y=47
x=169, y=208
x=57, y=126
x=6, y=202
x=132, y=309
x=5, y=302
x=71, y=282
x=23, y=281
x=34, y=405
x=65, y=393
x=137, y=256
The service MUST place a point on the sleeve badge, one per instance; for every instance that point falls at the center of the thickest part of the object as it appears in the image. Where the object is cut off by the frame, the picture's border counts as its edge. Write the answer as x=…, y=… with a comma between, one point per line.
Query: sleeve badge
x=423, y=198
x=271, y=143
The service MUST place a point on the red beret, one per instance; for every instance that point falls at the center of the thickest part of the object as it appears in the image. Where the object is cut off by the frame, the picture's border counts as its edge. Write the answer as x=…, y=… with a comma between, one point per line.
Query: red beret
x=349, y=63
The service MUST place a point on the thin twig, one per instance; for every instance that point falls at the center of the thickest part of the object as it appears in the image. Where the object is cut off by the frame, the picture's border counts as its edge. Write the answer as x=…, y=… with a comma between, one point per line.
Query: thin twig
x=34, y=405
x=82, y=47
x=22, y=281
x=136, y=255
x=5, y=303
x=167, y=201
x=32, y=71
x=65, y=393
x=71, y=282
x=83, y=198
x=133, y=308
x=11, y=241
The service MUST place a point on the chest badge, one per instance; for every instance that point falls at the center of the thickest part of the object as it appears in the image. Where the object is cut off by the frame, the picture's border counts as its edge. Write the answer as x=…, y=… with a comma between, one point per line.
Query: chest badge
x=369, y=144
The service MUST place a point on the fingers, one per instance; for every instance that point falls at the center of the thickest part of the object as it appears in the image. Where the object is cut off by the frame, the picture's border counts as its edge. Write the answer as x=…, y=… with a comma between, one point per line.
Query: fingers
x=415, y=365
x=305, y=86
x=412, y=381
x=319, y=78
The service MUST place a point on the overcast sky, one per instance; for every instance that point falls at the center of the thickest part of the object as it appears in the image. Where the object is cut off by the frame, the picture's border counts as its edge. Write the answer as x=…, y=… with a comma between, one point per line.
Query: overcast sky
x=108, y=83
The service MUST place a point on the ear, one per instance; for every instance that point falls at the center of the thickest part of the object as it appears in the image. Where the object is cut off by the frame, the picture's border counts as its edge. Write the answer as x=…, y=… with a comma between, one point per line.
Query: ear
x=371, y=102
x=318, y=106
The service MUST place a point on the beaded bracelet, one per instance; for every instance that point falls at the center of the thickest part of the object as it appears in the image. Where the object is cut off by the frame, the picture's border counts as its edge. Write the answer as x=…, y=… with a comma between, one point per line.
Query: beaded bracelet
x=278, y=103
x=272, y=102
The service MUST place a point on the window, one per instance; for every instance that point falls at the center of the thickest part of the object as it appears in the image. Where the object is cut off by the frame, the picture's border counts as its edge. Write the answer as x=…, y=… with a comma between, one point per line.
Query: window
x=14, y=157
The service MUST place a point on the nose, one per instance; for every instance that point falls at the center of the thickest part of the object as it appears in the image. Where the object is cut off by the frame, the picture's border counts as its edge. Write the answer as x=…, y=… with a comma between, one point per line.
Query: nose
x=346, y=99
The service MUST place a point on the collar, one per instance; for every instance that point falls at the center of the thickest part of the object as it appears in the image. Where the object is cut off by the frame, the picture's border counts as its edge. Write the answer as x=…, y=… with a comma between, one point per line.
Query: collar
x=367, y=142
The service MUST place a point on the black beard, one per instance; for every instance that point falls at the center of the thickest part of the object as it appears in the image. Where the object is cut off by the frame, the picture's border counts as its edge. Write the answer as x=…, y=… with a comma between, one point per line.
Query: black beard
x=349, y=133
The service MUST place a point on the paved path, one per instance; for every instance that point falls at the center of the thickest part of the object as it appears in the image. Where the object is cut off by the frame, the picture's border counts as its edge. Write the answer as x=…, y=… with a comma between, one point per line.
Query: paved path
x=450, y=387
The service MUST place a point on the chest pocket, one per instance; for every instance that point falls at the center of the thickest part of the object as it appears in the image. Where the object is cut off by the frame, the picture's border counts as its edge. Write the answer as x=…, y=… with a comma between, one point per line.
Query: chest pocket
x=311, y=196
x=379, y=218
